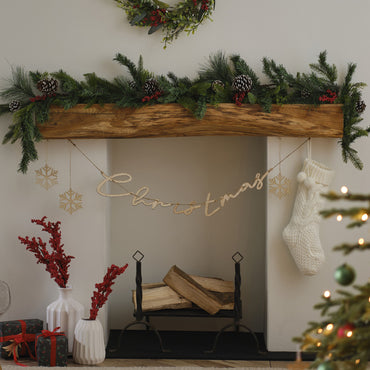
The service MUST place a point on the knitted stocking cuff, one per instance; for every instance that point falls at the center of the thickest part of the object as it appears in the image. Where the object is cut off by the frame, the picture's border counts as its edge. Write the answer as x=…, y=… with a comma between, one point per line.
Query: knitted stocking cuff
x=319, y=173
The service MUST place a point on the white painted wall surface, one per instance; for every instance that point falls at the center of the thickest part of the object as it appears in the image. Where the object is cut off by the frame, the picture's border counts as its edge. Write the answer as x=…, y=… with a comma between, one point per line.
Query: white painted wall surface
x=84, y=36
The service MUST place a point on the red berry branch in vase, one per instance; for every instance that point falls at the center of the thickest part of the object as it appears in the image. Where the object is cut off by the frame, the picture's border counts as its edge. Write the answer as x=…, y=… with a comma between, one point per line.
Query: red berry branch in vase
x=100, y=295
x=56, y=261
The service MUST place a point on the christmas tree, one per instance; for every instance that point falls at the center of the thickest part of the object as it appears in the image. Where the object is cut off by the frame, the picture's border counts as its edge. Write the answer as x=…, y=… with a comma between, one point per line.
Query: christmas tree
x=342, y=339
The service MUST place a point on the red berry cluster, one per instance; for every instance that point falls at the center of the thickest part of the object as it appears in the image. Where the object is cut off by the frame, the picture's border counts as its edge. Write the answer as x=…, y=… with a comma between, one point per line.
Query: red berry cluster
x=156, y=95
x=331, y=97
x=204, y=5
x=157, y=17
x=57, y=262
x=41, y=97
x=239, y=97
x=100, y=295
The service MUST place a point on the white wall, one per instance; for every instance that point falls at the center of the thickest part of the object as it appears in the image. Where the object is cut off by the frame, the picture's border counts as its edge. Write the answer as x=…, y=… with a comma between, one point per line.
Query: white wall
x=83, y=37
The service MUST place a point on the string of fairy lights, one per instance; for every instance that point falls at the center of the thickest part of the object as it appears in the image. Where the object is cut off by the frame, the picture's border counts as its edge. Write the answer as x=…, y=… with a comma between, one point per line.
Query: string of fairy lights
x=346, y=332
x=363, y=216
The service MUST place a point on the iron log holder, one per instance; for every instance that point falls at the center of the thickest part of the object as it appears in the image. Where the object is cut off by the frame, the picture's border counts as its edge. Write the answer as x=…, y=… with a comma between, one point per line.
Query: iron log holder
x=142, y=318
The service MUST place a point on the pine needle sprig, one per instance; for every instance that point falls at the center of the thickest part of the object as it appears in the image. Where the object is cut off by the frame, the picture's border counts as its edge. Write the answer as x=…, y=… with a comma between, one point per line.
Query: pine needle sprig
x=333, y=196
x=37, y=76
x=217, y=68
x=329, y=72
x=201, y=108
x=20, y=86
x=173, y=78
x=71, y=90
x=97, y=90
x=345, y=212
x=138, y=73
x=349, y=248
x=277, y=73
x=283, y=83
x=347, y=83
x=25, y=129
x=126, y=62
x=67, y=83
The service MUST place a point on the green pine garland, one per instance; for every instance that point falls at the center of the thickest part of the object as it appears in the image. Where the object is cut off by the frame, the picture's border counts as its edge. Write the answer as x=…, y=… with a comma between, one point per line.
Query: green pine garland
x=195, y=95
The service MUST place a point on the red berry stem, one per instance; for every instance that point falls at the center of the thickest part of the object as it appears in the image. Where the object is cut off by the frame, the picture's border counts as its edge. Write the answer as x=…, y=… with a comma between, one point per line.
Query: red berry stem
x=101, y=295
x=57, y=262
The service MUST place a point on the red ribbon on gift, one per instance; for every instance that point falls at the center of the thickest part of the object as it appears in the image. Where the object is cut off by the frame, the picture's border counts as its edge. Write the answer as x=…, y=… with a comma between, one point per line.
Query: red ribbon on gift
x=53, y=342
x=19, y=340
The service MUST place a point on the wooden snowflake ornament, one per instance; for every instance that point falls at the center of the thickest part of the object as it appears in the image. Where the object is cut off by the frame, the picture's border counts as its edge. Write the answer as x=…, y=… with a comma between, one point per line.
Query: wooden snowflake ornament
x=46, y=177
x=279, y=186
x=70, y=201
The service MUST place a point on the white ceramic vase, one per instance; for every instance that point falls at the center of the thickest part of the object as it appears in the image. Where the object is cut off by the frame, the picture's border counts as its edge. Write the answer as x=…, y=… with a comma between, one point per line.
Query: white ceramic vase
x=64, y=312
x=88, y=344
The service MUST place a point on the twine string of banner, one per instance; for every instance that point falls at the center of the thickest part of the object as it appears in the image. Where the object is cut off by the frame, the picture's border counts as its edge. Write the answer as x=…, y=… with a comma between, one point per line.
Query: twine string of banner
x=140, y=196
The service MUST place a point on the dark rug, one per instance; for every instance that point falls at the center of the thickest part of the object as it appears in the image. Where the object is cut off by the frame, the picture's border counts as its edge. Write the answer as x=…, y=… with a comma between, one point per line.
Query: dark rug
x=193, y=345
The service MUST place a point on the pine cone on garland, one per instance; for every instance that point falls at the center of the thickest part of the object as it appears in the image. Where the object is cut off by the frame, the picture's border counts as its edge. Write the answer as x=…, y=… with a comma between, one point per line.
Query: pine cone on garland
x=132, y=85
x=360, y=106
x=151, y=87
x=305, y=94
x=242, y=83
x=47, y=86
x=14, y=105
x=217, y=84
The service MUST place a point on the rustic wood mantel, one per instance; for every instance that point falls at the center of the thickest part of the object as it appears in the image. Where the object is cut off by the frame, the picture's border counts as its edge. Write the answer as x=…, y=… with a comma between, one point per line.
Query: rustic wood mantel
x=170, y=120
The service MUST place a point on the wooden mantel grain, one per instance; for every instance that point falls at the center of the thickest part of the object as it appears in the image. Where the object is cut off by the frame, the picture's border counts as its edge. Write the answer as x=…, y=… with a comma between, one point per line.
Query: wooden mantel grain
x=170, y=120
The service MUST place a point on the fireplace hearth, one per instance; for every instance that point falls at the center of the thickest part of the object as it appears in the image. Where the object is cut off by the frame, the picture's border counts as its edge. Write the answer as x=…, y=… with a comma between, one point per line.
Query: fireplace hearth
x=194, y=345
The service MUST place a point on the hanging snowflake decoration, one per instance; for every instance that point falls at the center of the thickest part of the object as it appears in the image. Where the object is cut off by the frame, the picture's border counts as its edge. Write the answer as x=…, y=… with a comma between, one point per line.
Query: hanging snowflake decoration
x=70, y=201
x=279, y=186
x=46, y=177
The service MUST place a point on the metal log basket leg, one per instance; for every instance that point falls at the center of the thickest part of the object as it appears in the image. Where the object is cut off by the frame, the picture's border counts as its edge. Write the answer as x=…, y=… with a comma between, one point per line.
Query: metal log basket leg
x=139, y=316
x=236, y=324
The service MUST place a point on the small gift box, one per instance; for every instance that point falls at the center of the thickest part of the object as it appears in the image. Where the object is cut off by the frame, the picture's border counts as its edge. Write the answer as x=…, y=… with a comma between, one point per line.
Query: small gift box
x=17, y=337
x=51, y=348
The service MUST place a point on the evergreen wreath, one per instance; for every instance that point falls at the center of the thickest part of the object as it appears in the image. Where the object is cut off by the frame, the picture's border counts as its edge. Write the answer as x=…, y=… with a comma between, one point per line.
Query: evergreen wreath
x=221, y=80
x=186, y=16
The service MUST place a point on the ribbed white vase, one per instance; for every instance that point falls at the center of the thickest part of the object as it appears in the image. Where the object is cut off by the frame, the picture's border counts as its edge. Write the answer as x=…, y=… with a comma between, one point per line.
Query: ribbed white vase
x=88, y=344
x=64, y=312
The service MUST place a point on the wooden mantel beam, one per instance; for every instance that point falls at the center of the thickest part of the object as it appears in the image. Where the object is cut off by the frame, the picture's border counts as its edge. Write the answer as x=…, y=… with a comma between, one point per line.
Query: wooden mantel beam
x=170, y=120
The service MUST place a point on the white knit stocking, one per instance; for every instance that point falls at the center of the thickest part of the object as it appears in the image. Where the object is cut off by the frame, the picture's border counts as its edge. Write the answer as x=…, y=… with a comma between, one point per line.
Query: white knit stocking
x=302, y=233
